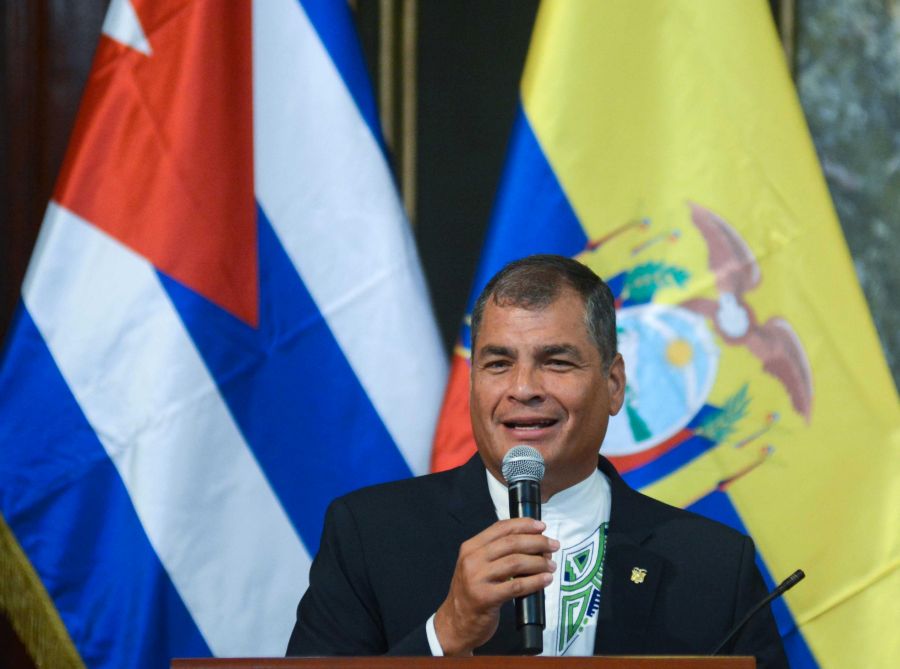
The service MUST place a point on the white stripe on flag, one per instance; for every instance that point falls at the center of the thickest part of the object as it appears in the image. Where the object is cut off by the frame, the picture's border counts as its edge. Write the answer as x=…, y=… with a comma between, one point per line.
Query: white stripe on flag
x=204, y=503
x=323, y=182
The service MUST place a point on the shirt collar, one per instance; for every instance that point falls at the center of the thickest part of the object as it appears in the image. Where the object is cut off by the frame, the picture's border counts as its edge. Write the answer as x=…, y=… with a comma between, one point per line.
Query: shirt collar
x=577, y=503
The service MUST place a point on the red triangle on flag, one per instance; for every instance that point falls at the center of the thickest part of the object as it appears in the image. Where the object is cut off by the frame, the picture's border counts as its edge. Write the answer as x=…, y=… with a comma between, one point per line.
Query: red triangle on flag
x=161, y=157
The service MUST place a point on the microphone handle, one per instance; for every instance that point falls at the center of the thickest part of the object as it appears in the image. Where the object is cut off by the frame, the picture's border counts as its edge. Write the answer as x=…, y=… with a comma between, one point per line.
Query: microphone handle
x=525, y=499
x=783, y=587
x=525, y=502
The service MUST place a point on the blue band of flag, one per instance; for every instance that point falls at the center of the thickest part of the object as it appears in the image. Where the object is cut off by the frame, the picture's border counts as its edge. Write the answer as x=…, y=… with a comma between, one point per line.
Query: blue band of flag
x=65, y=502
x=292, y=361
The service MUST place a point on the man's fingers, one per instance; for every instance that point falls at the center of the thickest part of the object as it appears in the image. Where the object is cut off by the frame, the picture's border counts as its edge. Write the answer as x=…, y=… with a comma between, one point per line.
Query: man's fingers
x=531, y=544
x=504, y=528
x=490, y=595
x=521, y=586
x=508, y=559
x=517, y=566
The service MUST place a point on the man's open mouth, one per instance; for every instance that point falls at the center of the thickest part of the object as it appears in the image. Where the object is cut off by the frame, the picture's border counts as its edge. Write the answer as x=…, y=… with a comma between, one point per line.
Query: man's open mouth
x=530, y=424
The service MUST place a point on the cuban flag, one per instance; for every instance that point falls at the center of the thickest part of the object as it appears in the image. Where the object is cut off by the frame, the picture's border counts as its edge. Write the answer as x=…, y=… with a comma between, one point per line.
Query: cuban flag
x=224, y=325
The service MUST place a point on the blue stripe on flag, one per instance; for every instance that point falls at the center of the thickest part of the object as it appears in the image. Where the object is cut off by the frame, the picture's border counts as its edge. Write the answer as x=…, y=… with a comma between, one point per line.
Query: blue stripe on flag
x=668, y=463
x=333, y=21
x=292, y=392
x=718, y=506
x=65, y=502
x=531, y=214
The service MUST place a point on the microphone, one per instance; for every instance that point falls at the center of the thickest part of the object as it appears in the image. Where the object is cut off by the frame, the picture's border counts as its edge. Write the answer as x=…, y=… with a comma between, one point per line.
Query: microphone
x=785, y=585
x=523, y=469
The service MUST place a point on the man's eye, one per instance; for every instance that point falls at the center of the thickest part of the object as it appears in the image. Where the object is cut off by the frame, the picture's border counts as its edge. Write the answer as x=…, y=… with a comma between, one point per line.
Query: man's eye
x=496, y=364
x=560, y=364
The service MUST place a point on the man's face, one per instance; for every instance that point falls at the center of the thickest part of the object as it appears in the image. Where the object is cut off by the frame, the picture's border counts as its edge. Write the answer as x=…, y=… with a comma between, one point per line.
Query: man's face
x=537, y=379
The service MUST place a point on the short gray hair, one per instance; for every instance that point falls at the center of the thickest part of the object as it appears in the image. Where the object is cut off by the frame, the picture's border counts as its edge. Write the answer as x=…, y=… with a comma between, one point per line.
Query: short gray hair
x=536, y=281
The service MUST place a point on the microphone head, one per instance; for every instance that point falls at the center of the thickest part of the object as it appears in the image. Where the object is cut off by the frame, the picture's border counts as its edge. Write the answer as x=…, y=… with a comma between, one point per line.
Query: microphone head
x=523, y=463
x=794, y=578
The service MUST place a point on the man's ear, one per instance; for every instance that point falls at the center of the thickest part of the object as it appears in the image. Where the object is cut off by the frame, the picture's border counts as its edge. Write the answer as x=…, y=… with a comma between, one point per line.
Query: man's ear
x=615, y=382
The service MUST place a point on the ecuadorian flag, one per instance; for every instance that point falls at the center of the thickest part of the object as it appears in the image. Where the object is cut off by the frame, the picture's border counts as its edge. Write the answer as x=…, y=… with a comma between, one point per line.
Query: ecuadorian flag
x=223, y=326
x=661, y=143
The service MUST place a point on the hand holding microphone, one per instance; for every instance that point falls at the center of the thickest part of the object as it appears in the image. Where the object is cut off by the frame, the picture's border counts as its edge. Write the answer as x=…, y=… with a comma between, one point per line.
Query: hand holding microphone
x=507, y=560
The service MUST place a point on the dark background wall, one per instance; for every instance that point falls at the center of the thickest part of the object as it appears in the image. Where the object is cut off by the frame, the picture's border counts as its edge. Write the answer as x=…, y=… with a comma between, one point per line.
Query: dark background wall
x=470, y=57
x=46, y=52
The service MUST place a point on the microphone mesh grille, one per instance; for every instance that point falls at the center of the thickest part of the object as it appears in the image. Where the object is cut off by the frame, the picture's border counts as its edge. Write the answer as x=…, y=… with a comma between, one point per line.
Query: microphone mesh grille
x=522, y=463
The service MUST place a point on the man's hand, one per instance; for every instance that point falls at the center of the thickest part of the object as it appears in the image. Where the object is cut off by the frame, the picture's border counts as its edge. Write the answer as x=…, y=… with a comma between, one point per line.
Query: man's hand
x=509, y=559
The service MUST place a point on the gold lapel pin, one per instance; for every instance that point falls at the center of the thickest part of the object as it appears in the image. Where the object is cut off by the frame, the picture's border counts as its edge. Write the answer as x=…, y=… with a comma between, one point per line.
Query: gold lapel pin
x=638, y=575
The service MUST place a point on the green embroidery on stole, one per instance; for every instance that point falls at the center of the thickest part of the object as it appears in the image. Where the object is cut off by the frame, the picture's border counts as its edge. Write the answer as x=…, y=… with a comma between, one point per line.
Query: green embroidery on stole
x=579, y=590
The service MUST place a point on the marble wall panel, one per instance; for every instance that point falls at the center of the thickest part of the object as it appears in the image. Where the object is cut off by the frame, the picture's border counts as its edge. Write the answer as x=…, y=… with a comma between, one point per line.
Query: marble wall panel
x=848, y=78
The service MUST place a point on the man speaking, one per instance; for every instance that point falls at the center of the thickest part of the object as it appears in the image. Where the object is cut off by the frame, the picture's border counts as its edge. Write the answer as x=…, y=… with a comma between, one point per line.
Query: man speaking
x=431, y=565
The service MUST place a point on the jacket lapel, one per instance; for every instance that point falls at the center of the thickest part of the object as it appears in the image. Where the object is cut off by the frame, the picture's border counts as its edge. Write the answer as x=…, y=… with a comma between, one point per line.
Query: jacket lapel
x=472, y=508
x=470, y=502
x=631, y=575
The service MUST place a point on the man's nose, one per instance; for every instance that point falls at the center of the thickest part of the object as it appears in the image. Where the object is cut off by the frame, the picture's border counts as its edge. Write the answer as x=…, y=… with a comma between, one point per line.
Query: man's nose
x=526, y=384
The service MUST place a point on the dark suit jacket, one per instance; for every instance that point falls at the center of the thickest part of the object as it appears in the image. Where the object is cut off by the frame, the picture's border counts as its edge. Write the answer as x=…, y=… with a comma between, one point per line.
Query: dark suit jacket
x=388, y=553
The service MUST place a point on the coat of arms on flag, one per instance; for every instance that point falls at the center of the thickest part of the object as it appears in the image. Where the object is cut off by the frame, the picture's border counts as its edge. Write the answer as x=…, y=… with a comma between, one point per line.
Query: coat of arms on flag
x=672, y=350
